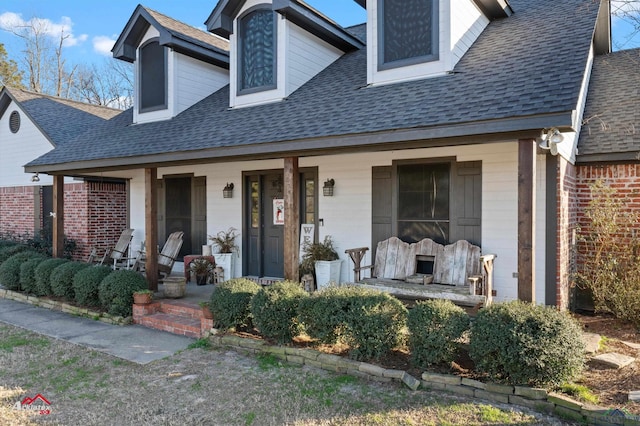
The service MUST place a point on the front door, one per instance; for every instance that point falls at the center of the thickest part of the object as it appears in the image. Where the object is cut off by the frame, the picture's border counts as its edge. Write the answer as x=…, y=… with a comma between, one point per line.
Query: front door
x=264, y=226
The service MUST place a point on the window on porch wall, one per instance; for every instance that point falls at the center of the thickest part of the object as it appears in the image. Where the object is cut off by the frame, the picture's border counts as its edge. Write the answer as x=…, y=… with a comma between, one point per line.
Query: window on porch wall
x=423, y=202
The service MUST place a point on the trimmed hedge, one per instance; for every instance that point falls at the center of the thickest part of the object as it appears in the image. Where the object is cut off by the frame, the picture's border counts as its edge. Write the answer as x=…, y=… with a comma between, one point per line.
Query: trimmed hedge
x=10, y=269
x=43, y=276
x=275, y=311
x=524, y=344
x=230, y=303
x=10, y=250
x=28, y=273
x=434, y=326
x=116, y=291
x=62, y=279
x=369, y=321
x=86, y=284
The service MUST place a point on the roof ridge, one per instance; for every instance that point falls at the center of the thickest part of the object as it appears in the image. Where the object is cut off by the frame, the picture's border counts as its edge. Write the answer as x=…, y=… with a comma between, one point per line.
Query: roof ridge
x=60, y=99
x=207, y=33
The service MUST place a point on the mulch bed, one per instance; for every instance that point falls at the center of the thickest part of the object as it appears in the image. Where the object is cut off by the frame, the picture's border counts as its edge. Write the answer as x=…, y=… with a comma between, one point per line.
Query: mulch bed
x=611, y=386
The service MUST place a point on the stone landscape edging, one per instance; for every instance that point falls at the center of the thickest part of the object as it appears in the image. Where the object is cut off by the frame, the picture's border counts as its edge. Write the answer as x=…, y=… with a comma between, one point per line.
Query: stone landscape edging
x=533, y=398
x=64, y=307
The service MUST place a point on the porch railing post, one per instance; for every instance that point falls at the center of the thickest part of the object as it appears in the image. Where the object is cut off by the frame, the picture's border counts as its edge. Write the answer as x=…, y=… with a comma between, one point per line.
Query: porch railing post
x=58, y=218
x=151, y=226
x=526, y=219
x=291, y=218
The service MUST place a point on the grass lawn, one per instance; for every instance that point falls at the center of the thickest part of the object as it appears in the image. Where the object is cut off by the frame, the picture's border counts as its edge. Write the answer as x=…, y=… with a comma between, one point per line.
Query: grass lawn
x=213, y=386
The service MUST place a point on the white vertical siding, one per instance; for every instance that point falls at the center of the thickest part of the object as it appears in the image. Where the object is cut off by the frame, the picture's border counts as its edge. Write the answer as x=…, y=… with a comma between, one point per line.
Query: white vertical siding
x=307, y=55
x=19, y=149
x=541, y=228
x=196, y=81
x=347, y=215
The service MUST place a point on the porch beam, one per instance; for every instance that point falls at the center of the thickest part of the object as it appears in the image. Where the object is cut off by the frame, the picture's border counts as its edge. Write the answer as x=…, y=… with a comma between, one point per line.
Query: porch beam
x=526, y=219
x=58, y=218
x=291, y=218
x=151, y=226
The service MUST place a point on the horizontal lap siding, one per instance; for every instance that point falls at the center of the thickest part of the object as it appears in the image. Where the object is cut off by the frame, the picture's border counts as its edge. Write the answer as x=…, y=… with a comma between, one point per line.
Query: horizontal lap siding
x=307, y=56
x=347, y=215
x=467, y=23
x=196, y=80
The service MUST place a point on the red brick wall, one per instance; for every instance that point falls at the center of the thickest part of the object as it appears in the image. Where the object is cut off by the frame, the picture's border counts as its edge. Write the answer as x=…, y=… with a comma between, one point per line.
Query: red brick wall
x=94, y=214
x=16, y=211
x=107, y=214
x=567, y=214
x=625, y=178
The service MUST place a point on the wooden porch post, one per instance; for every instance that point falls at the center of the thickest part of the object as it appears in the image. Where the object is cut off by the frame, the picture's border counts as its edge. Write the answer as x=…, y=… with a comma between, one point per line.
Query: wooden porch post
x=151, y=226
x=291, y=218
x=526, y=219
x=58, y=219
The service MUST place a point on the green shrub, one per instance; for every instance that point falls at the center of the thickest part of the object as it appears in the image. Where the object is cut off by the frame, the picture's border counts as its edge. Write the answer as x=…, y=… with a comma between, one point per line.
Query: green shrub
x=609, y=253
x=28, y=273
x=275, y=310
x=434, y=326
x=62, y=279
x=524, y=344
x=43, y=276
x=86, y=284
x=116, y=291
x=8, y=251
x=369, y=321
x=10, y=269
x=230, y=303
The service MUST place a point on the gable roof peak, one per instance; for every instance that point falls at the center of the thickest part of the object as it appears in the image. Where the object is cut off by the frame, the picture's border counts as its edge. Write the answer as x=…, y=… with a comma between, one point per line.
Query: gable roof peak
x=175, y=34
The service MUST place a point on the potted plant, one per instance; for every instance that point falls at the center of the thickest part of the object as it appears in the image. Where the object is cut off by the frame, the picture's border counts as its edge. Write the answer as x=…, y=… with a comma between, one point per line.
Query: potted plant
x=206, y=312
x=202, y=269
x=225, y=243
x=322, y=259
x=142, y=297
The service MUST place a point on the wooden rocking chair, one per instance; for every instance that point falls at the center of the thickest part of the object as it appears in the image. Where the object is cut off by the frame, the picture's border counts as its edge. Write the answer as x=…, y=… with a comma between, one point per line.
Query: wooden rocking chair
x=118, y=254
x=166, y=258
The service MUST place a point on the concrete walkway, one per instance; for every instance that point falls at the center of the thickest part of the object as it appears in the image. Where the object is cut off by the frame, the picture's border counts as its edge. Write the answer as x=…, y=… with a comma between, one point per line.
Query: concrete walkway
x=132, y=342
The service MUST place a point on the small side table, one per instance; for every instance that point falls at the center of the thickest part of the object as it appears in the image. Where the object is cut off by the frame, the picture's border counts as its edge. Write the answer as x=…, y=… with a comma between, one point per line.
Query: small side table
x=190, y=258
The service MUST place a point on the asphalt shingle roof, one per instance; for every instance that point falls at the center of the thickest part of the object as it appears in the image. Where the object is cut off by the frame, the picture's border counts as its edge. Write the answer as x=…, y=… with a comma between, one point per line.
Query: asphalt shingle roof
x=612, y=113
x=188, y=32
x=62, y=119
x=529, y=64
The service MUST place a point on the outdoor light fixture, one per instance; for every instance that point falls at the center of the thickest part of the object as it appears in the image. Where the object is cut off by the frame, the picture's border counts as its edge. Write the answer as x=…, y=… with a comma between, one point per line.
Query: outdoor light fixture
x=227, y=192
x=327, y=189
x=35, y=178
x=549, y=140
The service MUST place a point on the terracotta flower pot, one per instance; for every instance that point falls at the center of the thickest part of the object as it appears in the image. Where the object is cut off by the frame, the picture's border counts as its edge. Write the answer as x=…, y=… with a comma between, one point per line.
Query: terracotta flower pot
x=142, y=298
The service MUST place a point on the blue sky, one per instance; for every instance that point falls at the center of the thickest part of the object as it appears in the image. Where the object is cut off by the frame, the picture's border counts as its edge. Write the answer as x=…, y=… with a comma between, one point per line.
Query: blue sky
x=93, y=26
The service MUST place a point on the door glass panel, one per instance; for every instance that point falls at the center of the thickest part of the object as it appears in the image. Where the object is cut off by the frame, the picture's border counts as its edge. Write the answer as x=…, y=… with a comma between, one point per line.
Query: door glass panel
x=309, y=201
x=255, y=206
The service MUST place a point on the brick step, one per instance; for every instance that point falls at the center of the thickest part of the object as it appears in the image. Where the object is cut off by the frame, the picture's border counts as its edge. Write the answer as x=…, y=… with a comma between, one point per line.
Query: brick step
x=180, y=308
x=175, y=324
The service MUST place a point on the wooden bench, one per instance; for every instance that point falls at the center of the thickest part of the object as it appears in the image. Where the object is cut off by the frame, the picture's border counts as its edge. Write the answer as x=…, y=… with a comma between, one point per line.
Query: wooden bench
x=460, y=272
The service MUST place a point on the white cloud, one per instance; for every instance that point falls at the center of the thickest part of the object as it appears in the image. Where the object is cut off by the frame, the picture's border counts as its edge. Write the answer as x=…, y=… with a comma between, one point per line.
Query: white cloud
x=14, y=22
x=103, y=45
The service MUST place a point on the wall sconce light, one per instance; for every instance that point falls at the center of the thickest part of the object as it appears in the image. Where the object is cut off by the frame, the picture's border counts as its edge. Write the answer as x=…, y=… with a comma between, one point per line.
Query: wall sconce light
x=35, y=178
x=227, y=192
x=327, y=189
x=549, y=140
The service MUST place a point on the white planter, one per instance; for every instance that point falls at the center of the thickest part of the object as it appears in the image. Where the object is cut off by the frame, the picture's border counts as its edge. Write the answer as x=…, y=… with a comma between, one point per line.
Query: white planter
x=228, y=263
x=327, y=271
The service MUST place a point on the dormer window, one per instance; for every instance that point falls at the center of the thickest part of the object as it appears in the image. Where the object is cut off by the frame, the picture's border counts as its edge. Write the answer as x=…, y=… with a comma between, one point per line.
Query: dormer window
x=407, y=32
x=153, y=76
x=257, y=51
